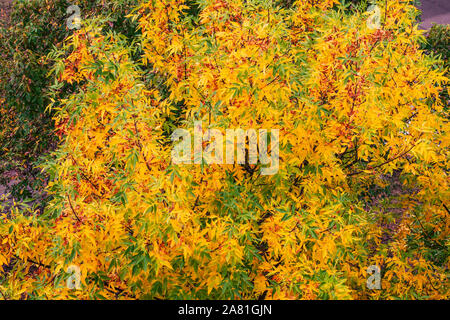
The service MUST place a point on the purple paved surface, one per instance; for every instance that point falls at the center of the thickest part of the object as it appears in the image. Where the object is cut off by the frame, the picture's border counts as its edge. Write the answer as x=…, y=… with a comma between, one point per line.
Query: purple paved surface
x=435, y=11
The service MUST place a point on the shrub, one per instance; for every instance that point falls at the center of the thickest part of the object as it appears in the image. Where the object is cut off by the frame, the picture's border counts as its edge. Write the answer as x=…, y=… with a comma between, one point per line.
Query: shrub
x=438, y=44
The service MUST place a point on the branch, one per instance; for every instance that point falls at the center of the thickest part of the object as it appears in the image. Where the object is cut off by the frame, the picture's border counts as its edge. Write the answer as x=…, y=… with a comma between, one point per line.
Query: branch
x=198, y=197
x=85, y=177
x=140, y=146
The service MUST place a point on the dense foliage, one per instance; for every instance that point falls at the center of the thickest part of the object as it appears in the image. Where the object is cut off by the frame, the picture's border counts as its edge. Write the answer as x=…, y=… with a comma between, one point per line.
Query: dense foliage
x=363, y=176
